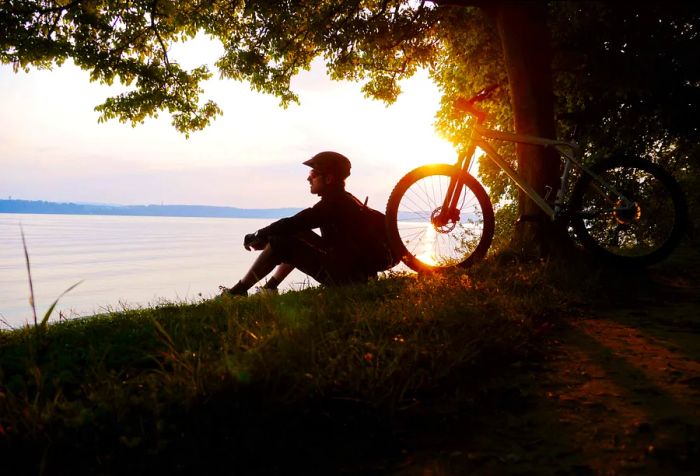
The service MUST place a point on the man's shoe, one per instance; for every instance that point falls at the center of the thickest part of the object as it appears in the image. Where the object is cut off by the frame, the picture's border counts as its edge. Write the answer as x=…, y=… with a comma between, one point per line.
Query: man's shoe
x=231, y=292
x=263, y=291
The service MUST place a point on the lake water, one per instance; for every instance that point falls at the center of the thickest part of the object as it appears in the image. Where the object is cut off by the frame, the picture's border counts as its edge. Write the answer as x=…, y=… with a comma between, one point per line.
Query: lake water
x=124, y=262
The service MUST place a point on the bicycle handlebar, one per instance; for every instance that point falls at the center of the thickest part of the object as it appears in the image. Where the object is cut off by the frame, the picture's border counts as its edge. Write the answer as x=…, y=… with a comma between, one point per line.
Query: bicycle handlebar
x=485, y=93
x=467, y=105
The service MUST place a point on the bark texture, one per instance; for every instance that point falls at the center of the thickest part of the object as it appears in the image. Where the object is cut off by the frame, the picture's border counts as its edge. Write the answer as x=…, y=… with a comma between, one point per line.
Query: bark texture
x=526, y=44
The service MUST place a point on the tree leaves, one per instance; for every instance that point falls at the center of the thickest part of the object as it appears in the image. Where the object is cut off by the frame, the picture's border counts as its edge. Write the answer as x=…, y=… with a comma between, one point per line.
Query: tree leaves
x=113, y=39
x=634, y=67
x=266, y=43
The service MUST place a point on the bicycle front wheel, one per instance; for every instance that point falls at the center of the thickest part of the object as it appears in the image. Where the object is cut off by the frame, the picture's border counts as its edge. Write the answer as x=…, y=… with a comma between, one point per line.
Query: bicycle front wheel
x=423, y=240
x=636, y=216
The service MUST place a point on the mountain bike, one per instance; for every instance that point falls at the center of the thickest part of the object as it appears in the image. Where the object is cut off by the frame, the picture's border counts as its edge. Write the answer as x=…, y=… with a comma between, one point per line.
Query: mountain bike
x=626, y=210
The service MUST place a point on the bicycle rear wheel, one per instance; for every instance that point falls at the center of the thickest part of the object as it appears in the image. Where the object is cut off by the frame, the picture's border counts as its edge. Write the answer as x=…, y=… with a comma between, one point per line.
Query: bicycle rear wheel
x=416, y=235
x=641, y=231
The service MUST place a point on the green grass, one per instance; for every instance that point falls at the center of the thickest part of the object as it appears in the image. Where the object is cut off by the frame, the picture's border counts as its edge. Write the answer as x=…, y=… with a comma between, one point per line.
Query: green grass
x=306, y=378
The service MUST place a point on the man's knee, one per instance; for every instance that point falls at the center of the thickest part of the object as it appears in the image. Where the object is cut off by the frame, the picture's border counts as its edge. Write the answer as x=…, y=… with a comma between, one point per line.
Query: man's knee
x=280, y=247
x=292, y=248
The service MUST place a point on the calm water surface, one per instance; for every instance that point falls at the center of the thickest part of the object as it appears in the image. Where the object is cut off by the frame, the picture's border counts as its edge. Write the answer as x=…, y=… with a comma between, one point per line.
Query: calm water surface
x=124, y=262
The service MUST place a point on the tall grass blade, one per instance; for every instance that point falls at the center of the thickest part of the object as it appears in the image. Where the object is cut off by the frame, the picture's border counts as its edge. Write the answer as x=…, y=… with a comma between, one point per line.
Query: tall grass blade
x=51, y=308
x=160, y=330
x=29, y=273
x=45, y=319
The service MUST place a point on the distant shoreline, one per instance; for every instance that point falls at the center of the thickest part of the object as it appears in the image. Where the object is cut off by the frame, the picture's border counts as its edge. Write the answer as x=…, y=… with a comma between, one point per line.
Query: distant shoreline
x=192, y=211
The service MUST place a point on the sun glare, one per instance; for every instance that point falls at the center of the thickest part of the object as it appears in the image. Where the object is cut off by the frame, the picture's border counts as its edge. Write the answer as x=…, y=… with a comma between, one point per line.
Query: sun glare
x=427, y=245
x=475, y=163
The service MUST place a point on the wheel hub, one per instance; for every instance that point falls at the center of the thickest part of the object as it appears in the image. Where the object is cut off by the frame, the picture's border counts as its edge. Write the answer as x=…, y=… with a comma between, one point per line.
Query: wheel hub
x=444, y=223
x=627, y=213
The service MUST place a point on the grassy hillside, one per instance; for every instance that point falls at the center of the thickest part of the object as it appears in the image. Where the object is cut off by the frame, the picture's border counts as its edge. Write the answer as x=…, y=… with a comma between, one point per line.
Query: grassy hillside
x=327, y=380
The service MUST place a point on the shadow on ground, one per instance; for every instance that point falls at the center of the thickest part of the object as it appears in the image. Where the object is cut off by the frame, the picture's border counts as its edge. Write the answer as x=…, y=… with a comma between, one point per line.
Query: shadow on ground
x=617, y=391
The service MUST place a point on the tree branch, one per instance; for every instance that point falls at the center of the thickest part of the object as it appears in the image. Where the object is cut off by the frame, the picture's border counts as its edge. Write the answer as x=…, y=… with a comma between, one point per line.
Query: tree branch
x=154, y=27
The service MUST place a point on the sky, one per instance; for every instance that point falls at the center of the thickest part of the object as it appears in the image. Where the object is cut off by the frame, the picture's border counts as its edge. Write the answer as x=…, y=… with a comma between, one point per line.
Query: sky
x=53, y=149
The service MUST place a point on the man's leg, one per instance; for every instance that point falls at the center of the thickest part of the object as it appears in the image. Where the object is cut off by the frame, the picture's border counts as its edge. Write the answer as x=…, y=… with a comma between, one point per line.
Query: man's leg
x=264, y=263
x=280, y=273
x=289, y=252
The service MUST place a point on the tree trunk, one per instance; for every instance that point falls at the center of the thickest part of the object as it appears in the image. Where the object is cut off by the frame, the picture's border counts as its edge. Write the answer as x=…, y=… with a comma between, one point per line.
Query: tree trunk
x=524, y=34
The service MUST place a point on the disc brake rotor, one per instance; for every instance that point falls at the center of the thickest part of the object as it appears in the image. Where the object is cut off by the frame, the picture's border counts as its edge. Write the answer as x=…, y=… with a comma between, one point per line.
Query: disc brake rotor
x=627, y=214
x=441, y=224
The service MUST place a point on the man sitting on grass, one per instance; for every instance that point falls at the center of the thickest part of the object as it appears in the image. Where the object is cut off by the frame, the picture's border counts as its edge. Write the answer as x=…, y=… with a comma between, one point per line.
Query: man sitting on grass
x=335, y=257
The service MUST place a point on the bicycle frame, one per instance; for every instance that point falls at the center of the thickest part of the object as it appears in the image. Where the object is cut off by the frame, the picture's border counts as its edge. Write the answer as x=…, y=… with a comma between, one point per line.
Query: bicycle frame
x=439, y=216
x=569, y=152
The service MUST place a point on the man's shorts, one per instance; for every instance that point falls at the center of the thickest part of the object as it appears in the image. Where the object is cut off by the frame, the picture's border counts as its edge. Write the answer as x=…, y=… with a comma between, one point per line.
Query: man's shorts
x=307, y=253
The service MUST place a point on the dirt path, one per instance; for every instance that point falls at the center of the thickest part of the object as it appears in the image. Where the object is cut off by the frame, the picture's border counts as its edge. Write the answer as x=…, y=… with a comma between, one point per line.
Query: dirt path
x=619, y=393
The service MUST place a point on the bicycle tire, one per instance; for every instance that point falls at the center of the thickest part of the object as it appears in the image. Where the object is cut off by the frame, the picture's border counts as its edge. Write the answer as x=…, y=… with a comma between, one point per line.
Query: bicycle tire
x=642, y=234
x=421, y=245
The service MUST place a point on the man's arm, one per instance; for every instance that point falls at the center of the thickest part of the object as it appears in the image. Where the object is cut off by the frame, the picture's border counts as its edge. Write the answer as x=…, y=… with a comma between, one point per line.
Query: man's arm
x=307, y=219
x=302, y=221
x=254, y=241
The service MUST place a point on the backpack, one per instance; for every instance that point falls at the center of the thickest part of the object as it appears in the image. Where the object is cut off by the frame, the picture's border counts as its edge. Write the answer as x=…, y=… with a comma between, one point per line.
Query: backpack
x=377, y=250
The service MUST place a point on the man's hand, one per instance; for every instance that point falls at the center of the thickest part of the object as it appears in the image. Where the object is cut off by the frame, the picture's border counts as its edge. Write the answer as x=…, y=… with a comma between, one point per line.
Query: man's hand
x=253, y=241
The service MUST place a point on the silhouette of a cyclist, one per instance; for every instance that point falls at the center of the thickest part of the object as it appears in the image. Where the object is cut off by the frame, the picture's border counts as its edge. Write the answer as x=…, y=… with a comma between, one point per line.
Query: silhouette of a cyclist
x=334, y=257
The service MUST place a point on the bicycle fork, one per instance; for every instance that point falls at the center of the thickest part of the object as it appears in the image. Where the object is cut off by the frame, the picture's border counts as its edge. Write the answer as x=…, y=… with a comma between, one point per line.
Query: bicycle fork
x=449, y=211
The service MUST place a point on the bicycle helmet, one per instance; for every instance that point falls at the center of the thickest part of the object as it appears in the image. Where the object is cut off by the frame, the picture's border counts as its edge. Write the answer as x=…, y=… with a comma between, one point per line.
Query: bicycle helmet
x=331, y=163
